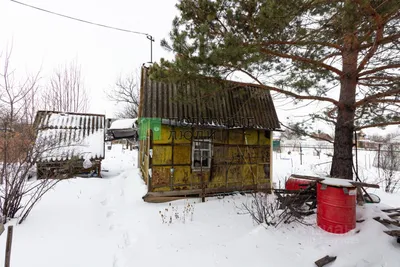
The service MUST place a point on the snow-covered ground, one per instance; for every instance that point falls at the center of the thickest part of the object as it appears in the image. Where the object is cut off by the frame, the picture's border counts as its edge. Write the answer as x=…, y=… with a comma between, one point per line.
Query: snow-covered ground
x=105, y=223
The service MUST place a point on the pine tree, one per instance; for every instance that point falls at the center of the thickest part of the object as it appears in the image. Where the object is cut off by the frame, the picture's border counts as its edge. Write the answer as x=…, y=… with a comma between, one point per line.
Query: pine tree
x=345, y=53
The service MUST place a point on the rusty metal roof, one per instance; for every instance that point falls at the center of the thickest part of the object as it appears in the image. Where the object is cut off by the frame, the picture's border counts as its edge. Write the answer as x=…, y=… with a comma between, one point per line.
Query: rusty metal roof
x=237, y=105
x=64, y=135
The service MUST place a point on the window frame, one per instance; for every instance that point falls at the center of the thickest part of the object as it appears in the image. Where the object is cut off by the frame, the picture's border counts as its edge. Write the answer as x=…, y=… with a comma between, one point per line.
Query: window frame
x=208, y=149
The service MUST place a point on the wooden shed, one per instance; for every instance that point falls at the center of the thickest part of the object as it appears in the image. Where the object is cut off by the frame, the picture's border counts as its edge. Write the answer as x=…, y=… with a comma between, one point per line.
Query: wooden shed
x=198, y=143
x=69, y=144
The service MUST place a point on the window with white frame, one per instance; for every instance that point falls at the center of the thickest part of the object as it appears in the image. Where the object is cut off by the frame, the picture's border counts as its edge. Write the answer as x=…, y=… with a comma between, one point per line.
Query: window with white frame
x=201, y=154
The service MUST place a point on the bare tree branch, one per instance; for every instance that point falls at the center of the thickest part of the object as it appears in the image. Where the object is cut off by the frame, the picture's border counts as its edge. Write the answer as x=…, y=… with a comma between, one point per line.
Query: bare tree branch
x=65, y=91
x=126, y=92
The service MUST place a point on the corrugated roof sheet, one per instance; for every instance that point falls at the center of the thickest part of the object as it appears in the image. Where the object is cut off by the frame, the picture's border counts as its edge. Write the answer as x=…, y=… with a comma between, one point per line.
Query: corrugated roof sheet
x=64, y=135
x=235, y=106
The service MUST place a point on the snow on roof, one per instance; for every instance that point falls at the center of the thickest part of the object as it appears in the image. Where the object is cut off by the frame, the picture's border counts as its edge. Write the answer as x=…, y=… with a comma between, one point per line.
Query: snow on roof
x=123, y=124
x=62, y=136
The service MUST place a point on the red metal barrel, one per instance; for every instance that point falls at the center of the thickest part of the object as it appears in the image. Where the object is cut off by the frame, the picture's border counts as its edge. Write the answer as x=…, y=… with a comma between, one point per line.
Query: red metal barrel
x=336, y=206
x=297, y=183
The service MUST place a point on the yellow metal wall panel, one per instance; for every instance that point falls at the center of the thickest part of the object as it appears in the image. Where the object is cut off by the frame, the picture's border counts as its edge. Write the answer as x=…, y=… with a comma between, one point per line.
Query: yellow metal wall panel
x=162, y=154
x=251, y=137
x=166, y=137
x=236, y=137
x=234, y=175
x=220, y=136
x=264, y=155
x=218, y=176
x=182, y=154
x=233, y=166
x=250, y=155
x=265, y=138
x=183, y=135
x=220, y=154
x=249, y=174
x=203, y=134
x=181, y=175
x=161, y=189
x=263, y=171
x=198, y=177
x=195, y=178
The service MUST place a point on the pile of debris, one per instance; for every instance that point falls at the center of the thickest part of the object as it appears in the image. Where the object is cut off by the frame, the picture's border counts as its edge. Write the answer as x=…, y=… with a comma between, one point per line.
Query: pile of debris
x=393, y=224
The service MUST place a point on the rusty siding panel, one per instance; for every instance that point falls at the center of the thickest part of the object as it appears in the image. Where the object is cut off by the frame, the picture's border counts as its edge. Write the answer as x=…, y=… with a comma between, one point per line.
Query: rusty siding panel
x=160, y=176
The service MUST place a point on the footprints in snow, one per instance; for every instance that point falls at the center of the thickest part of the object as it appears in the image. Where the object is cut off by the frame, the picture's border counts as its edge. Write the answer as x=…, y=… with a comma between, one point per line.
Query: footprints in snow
x=104, y=202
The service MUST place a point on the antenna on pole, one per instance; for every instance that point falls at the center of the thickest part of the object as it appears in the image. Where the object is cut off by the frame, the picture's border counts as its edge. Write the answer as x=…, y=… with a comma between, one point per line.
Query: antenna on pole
x=151, y=47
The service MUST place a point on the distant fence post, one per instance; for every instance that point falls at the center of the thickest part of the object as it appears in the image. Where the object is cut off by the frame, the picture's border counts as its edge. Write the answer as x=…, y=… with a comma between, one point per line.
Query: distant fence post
x=379, y=157
x=8, y=246
x=301, y=155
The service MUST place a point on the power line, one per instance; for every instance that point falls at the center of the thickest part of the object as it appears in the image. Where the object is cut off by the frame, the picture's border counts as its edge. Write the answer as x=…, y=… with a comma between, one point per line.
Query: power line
x=81, y=20
x=93, y=23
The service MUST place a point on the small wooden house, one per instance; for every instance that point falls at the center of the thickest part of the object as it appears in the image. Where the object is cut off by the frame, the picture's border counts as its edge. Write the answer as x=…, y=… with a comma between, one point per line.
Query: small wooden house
x=199, y=143
x=69, y=144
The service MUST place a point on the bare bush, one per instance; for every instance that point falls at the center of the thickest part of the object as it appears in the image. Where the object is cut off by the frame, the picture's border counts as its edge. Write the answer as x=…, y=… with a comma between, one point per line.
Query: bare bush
x=263, y=209
x=388, y=162
x=20, y=148
x=280, y=207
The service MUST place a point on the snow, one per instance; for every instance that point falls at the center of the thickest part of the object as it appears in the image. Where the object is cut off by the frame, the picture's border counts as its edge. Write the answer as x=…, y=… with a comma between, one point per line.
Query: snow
x=89, y=146
x=104, y=222
x=336, y=182
x=62, y=136
x=123, y=124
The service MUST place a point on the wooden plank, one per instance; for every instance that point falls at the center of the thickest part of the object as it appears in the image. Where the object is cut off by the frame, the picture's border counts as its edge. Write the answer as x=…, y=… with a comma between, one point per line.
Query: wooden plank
x=8, y=246
x=395, y=233
x=394, y=215
x=356, y=184
x=387, y=222
x=210, y=191
x=153, y=199
x=361, y=184
x=391, y=210
x=325, y=260
x=314, y=178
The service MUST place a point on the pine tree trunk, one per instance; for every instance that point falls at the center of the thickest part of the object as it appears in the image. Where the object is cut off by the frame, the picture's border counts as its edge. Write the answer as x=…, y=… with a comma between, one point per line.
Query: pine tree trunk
x=342, y=161
x=343, y=147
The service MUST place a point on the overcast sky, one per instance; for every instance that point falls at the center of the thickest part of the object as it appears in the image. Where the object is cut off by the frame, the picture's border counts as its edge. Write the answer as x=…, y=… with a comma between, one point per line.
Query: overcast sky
x=44, y=41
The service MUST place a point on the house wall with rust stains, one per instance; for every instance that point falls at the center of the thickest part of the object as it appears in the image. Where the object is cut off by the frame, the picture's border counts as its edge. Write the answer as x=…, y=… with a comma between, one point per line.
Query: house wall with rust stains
x=241, y=160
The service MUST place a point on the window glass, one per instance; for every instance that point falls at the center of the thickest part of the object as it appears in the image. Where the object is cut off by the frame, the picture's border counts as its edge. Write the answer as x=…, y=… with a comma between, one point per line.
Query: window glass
x=201, y=153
